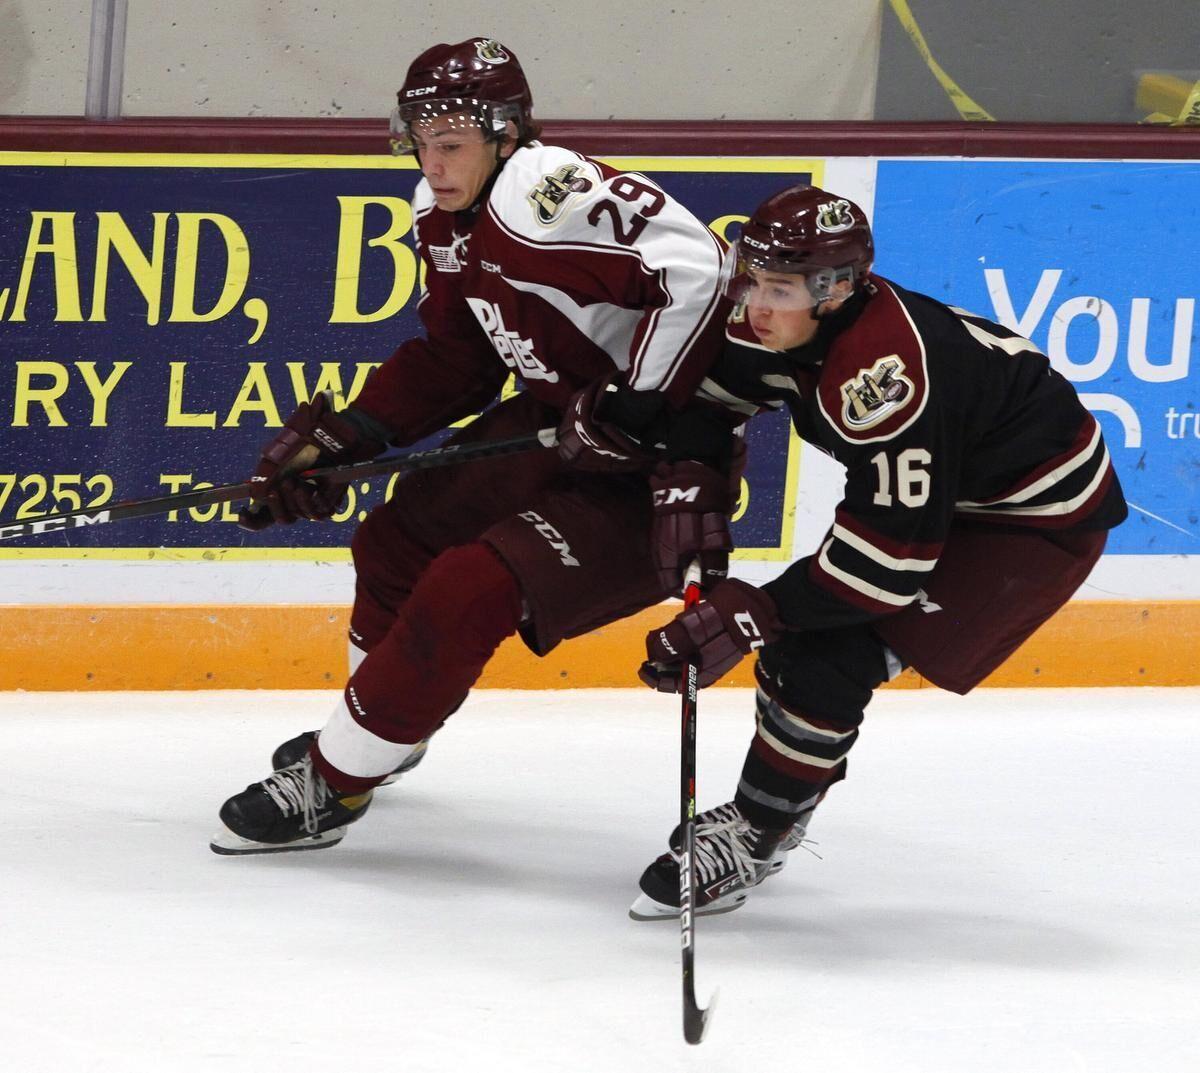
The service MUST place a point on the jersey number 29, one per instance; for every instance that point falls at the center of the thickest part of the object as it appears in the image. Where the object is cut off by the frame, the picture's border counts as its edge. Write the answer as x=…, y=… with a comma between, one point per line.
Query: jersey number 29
x=627, y=188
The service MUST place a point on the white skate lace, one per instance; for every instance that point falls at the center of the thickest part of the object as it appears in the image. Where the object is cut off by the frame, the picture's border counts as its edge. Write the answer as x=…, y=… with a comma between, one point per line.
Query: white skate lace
x=720, y=814
x=721, y=850
x=730, y=813
x=721, y=845
x=298, y=789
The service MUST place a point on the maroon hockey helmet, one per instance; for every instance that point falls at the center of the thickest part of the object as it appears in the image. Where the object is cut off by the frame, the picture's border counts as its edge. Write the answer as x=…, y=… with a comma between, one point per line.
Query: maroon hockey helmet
x=807, y=231
x=479, y=80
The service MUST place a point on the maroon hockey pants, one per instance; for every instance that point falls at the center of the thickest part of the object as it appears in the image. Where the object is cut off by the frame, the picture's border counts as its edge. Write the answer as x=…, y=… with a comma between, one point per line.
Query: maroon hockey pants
x=423, y=662
x=462, y=557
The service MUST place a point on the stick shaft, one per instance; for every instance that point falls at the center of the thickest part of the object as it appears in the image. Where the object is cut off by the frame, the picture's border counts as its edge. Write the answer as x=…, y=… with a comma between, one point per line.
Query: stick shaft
x=225, y=493
x=693, y=1015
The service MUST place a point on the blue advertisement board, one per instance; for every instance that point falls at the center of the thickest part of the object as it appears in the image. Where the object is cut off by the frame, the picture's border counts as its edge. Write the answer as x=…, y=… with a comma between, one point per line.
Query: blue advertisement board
x=1096, y=263
x=160, y=317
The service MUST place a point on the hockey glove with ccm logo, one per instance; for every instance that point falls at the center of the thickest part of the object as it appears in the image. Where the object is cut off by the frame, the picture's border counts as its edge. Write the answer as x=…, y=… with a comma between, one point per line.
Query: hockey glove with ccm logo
x=692, y=504
x=592, y=436
x=729, y=623
x=314, y=435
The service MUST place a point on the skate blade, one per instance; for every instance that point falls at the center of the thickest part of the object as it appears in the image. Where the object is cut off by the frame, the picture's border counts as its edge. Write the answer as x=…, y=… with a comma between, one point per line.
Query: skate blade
x=646, y=908
x=227, y=844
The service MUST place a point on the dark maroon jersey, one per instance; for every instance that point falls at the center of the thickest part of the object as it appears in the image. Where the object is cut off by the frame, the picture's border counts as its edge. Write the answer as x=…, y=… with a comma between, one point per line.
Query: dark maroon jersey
x=937, y=415
x=568, y=270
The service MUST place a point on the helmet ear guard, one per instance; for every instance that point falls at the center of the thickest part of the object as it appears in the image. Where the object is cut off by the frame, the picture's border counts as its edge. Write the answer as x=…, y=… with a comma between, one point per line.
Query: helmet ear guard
x=822, y=281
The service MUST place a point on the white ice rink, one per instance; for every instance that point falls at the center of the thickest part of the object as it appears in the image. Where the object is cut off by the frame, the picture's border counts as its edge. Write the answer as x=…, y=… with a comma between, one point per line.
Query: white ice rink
x=1008, y=883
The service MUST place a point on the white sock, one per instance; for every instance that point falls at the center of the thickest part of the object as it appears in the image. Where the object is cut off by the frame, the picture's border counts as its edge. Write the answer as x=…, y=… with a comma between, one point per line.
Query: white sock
x=354, y=750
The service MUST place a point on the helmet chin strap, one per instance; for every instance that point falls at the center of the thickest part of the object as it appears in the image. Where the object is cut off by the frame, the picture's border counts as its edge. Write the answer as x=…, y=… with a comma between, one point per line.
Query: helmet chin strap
x=821, y=310
x=852, y=301
x=486, y=188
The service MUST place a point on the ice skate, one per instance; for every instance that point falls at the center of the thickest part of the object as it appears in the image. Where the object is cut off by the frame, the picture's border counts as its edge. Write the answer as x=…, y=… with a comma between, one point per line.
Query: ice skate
x=732, y=857
x=295, y=749
x=293, y=808
x=730, y=812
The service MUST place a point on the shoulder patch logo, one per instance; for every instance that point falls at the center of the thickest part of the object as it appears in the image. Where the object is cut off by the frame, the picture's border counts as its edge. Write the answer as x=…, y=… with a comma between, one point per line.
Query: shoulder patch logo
x=834, y=216
x=549, y=196
x=491, y=51
x=875, y=393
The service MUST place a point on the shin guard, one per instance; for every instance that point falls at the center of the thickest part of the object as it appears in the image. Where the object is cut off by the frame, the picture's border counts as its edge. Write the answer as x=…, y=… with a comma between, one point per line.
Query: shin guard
x=464, y=605
x=812, y=691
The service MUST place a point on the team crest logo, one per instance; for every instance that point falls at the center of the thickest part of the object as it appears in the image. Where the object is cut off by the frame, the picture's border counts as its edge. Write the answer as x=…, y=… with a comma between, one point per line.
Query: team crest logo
x=549, y=196
x=875, y=393
x=491, y=51
x=834, y=216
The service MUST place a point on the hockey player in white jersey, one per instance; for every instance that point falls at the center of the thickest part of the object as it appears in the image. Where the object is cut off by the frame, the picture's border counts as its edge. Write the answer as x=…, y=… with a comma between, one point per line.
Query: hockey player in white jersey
x=603, y=295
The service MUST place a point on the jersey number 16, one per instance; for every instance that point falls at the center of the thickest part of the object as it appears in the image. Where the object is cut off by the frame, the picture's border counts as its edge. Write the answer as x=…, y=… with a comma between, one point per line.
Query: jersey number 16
x=912, y=479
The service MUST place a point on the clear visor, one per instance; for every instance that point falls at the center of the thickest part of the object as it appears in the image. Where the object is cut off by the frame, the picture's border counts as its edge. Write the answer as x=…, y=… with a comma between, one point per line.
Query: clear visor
x=767, y=283
x=454, y=114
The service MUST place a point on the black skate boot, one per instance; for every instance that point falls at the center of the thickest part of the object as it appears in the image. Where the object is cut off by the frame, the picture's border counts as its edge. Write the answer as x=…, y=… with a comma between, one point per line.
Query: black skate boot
x=291, y=809
x=295, y=749
x=732, y=857
x=729, y=813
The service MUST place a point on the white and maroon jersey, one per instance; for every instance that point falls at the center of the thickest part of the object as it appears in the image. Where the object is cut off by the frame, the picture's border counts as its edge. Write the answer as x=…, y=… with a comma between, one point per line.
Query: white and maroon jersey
x=938, y=415
x=568, y=270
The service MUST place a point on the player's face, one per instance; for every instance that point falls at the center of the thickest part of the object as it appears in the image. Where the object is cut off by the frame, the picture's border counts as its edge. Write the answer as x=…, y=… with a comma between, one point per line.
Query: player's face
x=780, y=309
x=455, y=159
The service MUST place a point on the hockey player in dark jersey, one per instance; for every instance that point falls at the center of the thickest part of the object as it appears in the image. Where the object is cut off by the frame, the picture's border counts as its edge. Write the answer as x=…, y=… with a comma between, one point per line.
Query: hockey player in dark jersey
x=978, y=496
x=603, y=296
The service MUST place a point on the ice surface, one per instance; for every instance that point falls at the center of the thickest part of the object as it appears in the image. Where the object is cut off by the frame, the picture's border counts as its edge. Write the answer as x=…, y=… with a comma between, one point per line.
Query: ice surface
x=1008, y=883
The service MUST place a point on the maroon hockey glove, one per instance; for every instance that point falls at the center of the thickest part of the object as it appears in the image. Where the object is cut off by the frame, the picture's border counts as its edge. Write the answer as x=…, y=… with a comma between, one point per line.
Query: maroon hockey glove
x=314, y=435
x=692, y=504
x=587, y=441
x=732, y=621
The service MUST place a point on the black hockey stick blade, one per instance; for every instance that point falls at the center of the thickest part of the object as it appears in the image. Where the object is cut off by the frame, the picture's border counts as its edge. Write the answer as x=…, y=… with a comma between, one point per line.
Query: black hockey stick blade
x=695, y=1019
x=227, y=493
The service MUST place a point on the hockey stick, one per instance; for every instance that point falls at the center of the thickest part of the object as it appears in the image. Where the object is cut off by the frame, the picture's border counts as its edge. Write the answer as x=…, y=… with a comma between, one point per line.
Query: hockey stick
x=225, y=493
x=695, y=1020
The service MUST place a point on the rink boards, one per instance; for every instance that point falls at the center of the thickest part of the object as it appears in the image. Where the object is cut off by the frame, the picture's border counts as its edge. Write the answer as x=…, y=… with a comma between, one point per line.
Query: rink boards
x=161, y=314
